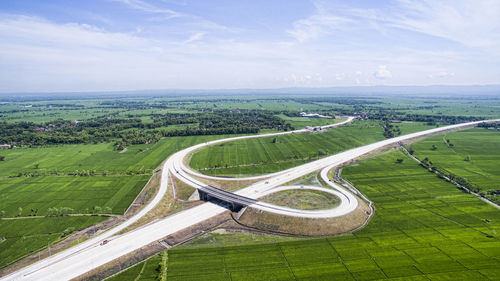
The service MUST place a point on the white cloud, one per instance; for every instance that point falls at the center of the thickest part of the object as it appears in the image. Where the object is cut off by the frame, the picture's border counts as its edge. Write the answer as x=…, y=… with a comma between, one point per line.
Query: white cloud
x=339, y=76
x=441, y=74
x=146, y=7
x=472, y=23
x=195, y=37
x=319, y=24
x=382, y=73
x=41, y=55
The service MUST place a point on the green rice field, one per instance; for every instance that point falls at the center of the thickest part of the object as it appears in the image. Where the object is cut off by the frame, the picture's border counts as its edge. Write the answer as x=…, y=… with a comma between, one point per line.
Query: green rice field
x=97, y=157
x=262, y=155
x=481, y=145
x=24, y=236
x=48, y=188
x=423, y=229
x=78, y=193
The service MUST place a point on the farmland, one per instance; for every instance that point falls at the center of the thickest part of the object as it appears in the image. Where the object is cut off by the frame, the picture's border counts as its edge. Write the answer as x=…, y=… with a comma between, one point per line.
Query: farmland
x=472, y=154
x=101, y=162
x=267, y=155
x=302, y=122
x=101, y=158
x=23, y=236
x=423, y=228
x=40, y=186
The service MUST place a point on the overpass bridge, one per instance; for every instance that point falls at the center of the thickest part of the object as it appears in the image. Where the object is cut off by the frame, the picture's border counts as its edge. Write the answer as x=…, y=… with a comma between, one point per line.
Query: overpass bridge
x=232, y=201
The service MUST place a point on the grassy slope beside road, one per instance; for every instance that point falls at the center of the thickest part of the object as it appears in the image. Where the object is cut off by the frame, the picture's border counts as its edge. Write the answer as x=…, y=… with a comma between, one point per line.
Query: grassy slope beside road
x=424, y=228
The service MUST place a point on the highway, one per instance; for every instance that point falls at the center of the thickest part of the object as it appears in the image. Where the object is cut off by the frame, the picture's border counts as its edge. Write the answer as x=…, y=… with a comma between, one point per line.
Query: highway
x=89, y=255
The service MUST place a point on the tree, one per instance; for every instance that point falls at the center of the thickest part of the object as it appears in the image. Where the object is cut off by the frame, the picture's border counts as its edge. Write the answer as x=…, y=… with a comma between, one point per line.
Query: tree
x=434, y=147
x=2, y=158
x=399, y=160
x=37, y=165
x=468, y=158
x=275, y=140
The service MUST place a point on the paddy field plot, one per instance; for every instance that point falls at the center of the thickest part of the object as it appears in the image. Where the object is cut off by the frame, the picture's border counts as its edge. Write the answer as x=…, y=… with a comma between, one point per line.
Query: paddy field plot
x=273, y=154
x=302, y=122
x=20, y=195
x=423, y=228
x=24, y=236
x=47, y=187
x=97, y=157
x=473, y=154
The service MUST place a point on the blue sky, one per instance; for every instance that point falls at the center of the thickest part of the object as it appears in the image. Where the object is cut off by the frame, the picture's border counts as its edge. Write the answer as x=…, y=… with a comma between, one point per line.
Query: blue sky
x=100, y=45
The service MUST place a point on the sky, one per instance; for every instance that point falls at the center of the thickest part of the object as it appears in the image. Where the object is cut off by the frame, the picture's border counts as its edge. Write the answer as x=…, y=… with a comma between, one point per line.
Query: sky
x=112, y=45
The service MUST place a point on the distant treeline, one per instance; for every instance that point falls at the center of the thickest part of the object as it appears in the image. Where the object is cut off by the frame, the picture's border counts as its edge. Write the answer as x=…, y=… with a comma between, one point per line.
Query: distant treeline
x=132, y=130
x=429, y=119
x=495, y=125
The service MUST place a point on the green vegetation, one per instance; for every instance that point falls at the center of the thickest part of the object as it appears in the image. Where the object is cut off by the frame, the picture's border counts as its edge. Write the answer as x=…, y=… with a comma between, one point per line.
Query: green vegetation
x=264, y=155
x=150, y=269
x=50, y=196
x=424, y=228
x=133, y=130
x=220, y=238
x=24, y=236
x=55, y=181
x=470, y=157
x=103, y=160
x=302, y=122
x=303, y=199
x=100, y=158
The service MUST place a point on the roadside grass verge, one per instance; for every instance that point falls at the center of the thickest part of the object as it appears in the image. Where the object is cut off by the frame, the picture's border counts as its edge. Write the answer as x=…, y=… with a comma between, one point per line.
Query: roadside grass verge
x=303, y=199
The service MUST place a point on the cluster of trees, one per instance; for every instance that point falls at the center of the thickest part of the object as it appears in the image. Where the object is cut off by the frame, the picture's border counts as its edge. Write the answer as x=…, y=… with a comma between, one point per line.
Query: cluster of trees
x=390, y=130
x=429, y=119
x=132, y=130
x=495, y=125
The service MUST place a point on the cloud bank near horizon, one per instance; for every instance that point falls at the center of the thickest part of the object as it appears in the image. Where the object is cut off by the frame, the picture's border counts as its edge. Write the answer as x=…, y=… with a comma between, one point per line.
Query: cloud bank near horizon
x=148, y=44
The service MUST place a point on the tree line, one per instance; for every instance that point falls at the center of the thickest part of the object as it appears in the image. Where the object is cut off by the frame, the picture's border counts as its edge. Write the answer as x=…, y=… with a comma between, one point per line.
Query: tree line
x=132, y=130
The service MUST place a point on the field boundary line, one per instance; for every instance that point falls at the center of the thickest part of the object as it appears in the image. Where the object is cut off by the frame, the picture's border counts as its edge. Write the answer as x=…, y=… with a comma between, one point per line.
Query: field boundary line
x=443, y=176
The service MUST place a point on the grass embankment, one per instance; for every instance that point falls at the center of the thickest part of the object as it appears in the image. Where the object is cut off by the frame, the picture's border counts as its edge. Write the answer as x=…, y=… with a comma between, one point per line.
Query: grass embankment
x=473, y=155
x=303, y=199
x=423, y=228
x=270, y=154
